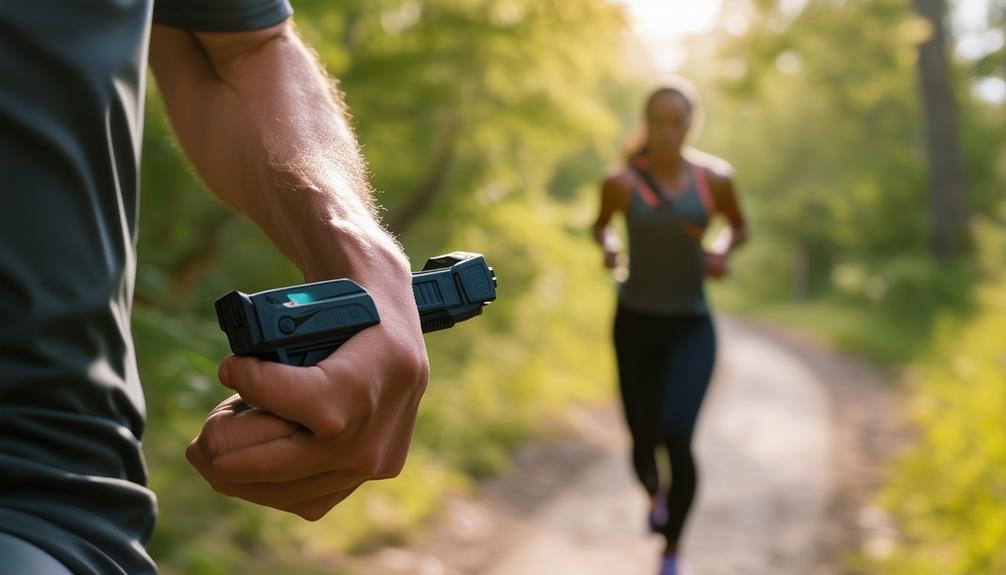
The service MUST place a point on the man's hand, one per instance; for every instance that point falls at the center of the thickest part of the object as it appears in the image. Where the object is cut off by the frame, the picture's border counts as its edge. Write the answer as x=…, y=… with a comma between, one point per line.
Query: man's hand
x=316, y=433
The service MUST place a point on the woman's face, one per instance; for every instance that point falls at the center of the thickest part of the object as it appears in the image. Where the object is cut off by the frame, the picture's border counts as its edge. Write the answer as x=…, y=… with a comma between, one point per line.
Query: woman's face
x=668, y=121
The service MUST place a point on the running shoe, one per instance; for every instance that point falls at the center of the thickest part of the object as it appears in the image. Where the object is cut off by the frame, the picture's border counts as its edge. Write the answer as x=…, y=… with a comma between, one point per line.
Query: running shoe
x=669, y=565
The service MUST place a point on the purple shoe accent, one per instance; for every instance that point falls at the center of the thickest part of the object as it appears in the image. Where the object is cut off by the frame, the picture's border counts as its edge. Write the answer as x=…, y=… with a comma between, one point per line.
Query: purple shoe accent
x=669, y=565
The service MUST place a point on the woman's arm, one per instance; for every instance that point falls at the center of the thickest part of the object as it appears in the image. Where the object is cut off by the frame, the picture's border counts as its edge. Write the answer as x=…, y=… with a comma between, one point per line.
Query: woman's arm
x=721, y=184
x=614, y=193
x=719, y=174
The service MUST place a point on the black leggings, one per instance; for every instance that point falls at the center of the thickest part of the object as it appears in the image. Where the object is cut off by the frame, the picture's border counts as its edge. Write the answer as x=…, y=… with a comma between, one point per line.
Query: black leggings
x=664, y=367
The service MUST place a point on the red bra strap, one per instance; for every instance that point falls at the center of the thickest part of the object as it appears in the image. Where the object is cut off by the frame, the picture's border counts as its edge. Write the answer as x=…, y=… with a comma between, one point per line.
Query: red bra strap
x=648, y=194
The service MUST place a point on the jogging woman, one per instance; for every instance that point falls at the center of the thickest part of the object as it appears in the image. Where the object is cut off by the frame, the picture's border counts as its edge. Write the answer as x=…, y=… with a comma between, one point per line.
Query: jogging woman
x=664, y=337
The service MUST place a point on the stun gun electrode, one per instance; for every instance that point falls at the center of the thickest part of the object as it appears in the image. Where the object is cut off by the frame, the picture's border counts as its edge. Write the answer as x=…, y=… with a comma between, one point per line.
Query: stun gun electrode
x=301, y=325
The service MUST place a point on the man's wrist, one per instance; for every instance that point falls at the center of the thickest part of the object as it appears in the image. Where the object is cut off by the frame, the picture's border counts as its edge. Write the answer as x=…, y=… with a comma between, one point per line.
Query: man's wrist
x=358, y=249
x=325, y=223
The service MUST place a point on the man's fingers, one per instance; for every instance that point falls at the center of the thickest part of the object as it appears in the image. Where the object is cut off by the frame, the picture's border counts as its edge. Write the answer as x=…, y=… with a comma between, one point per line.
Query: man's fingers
x=285, y=495
x=194, y=454
x=311, y=497
x=344, y=439
x=291, y=458
x=228, y=430
x=326, y=398
x=294, y=393
x=316, y=509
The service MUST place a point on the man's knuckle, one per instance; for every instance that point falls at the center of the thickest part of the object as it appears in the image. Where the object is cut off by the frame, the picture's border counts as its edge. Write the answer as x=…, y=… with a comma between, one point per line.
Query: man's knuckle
x=330, y=423
x=412, y=369
x=213, y=444
x=361, y=395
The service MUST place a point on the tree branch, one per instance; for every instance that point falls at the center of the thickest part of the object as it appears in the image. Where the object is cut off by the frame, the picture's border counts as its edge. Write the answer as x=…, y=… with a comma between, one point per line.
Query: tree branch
x=422, y=198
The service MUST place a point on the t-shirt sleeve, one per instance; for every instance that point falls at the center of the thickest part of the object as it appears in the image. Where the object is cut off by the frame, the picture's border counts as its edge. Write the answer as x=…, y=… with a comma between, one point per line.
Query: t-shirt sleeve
x=221, y=15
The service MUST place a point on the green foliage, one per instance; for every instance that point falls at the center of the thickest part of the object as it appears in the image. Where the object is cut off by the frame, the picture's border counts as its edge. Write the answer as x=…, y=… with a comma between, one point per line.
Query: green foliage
x=818, y=109
x=830, y=151
x=498, y=90
x=950, y=491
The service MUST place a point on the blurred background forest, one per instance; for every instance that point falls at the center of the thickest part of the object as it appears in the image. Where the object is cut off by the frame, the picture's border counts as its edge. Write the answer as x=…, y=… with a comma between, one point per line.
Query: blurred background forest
x=870, y=149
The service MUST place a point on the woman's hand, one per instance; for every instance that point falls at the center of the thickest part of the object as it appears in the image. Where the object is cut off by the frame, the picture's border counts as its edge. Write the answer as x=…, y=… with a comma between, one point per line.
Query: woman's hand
x=612, y=259
x=716, y=265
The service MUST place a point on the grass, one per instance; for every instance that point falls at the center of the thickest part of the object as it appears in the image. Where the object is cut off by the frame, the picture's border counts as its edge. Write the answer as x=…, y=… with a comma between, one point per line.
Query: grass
x=860, y=329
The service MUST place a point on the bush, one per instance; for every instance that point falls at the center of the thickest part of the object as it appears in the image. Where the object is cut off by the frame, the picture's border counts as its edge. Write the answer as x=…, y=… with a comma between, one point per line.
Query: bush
x=949, y=492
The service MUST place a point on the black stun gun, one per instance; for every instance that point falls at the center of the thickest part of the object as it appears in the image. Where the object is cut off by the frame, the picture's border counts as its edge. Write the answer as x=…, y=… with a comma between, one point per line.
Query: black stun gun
x=303, y=324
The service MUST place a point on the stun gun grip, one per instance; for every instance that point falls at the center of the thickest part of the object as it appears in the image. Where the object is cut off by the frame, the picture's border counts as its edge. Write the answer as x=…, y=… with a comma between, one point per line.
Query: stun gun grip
x=301, y=325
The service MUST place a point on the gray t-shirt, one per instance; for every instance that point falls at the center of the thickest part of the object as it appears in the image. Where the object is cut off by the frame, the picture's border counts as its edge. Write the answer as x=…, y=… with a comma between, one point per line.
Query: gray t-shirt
x=72, y=77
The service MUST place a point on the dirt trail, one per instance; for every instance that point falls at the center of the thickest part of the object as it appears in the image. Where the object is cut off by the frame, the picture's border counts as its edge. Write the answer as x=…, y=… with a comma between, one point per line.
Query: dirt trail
x=790, y=445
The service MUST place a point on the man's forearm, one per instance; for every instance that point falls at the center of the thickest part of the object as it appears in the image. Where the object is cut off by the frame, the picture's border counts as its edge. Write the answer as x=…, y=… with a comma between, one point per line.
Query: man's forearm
x=265, y=129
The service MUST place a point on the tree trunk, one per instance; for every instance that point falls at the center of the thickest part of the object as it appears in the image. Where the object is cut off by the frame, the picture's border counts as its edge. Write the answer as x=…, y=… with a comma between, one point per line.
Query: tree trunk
x=947, y=175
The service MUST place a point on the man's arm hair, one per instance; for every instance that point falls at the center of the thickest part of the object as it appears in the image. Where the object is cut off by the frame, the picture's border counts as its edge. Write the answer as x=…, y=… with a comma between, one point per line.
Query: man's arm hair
x=266, y=130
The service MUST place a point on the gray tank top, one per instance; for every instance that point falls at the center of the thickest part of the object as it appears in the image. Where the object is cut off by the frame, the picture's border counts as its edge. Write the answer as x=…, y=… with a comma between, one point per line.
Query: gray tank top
x=665, y=247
